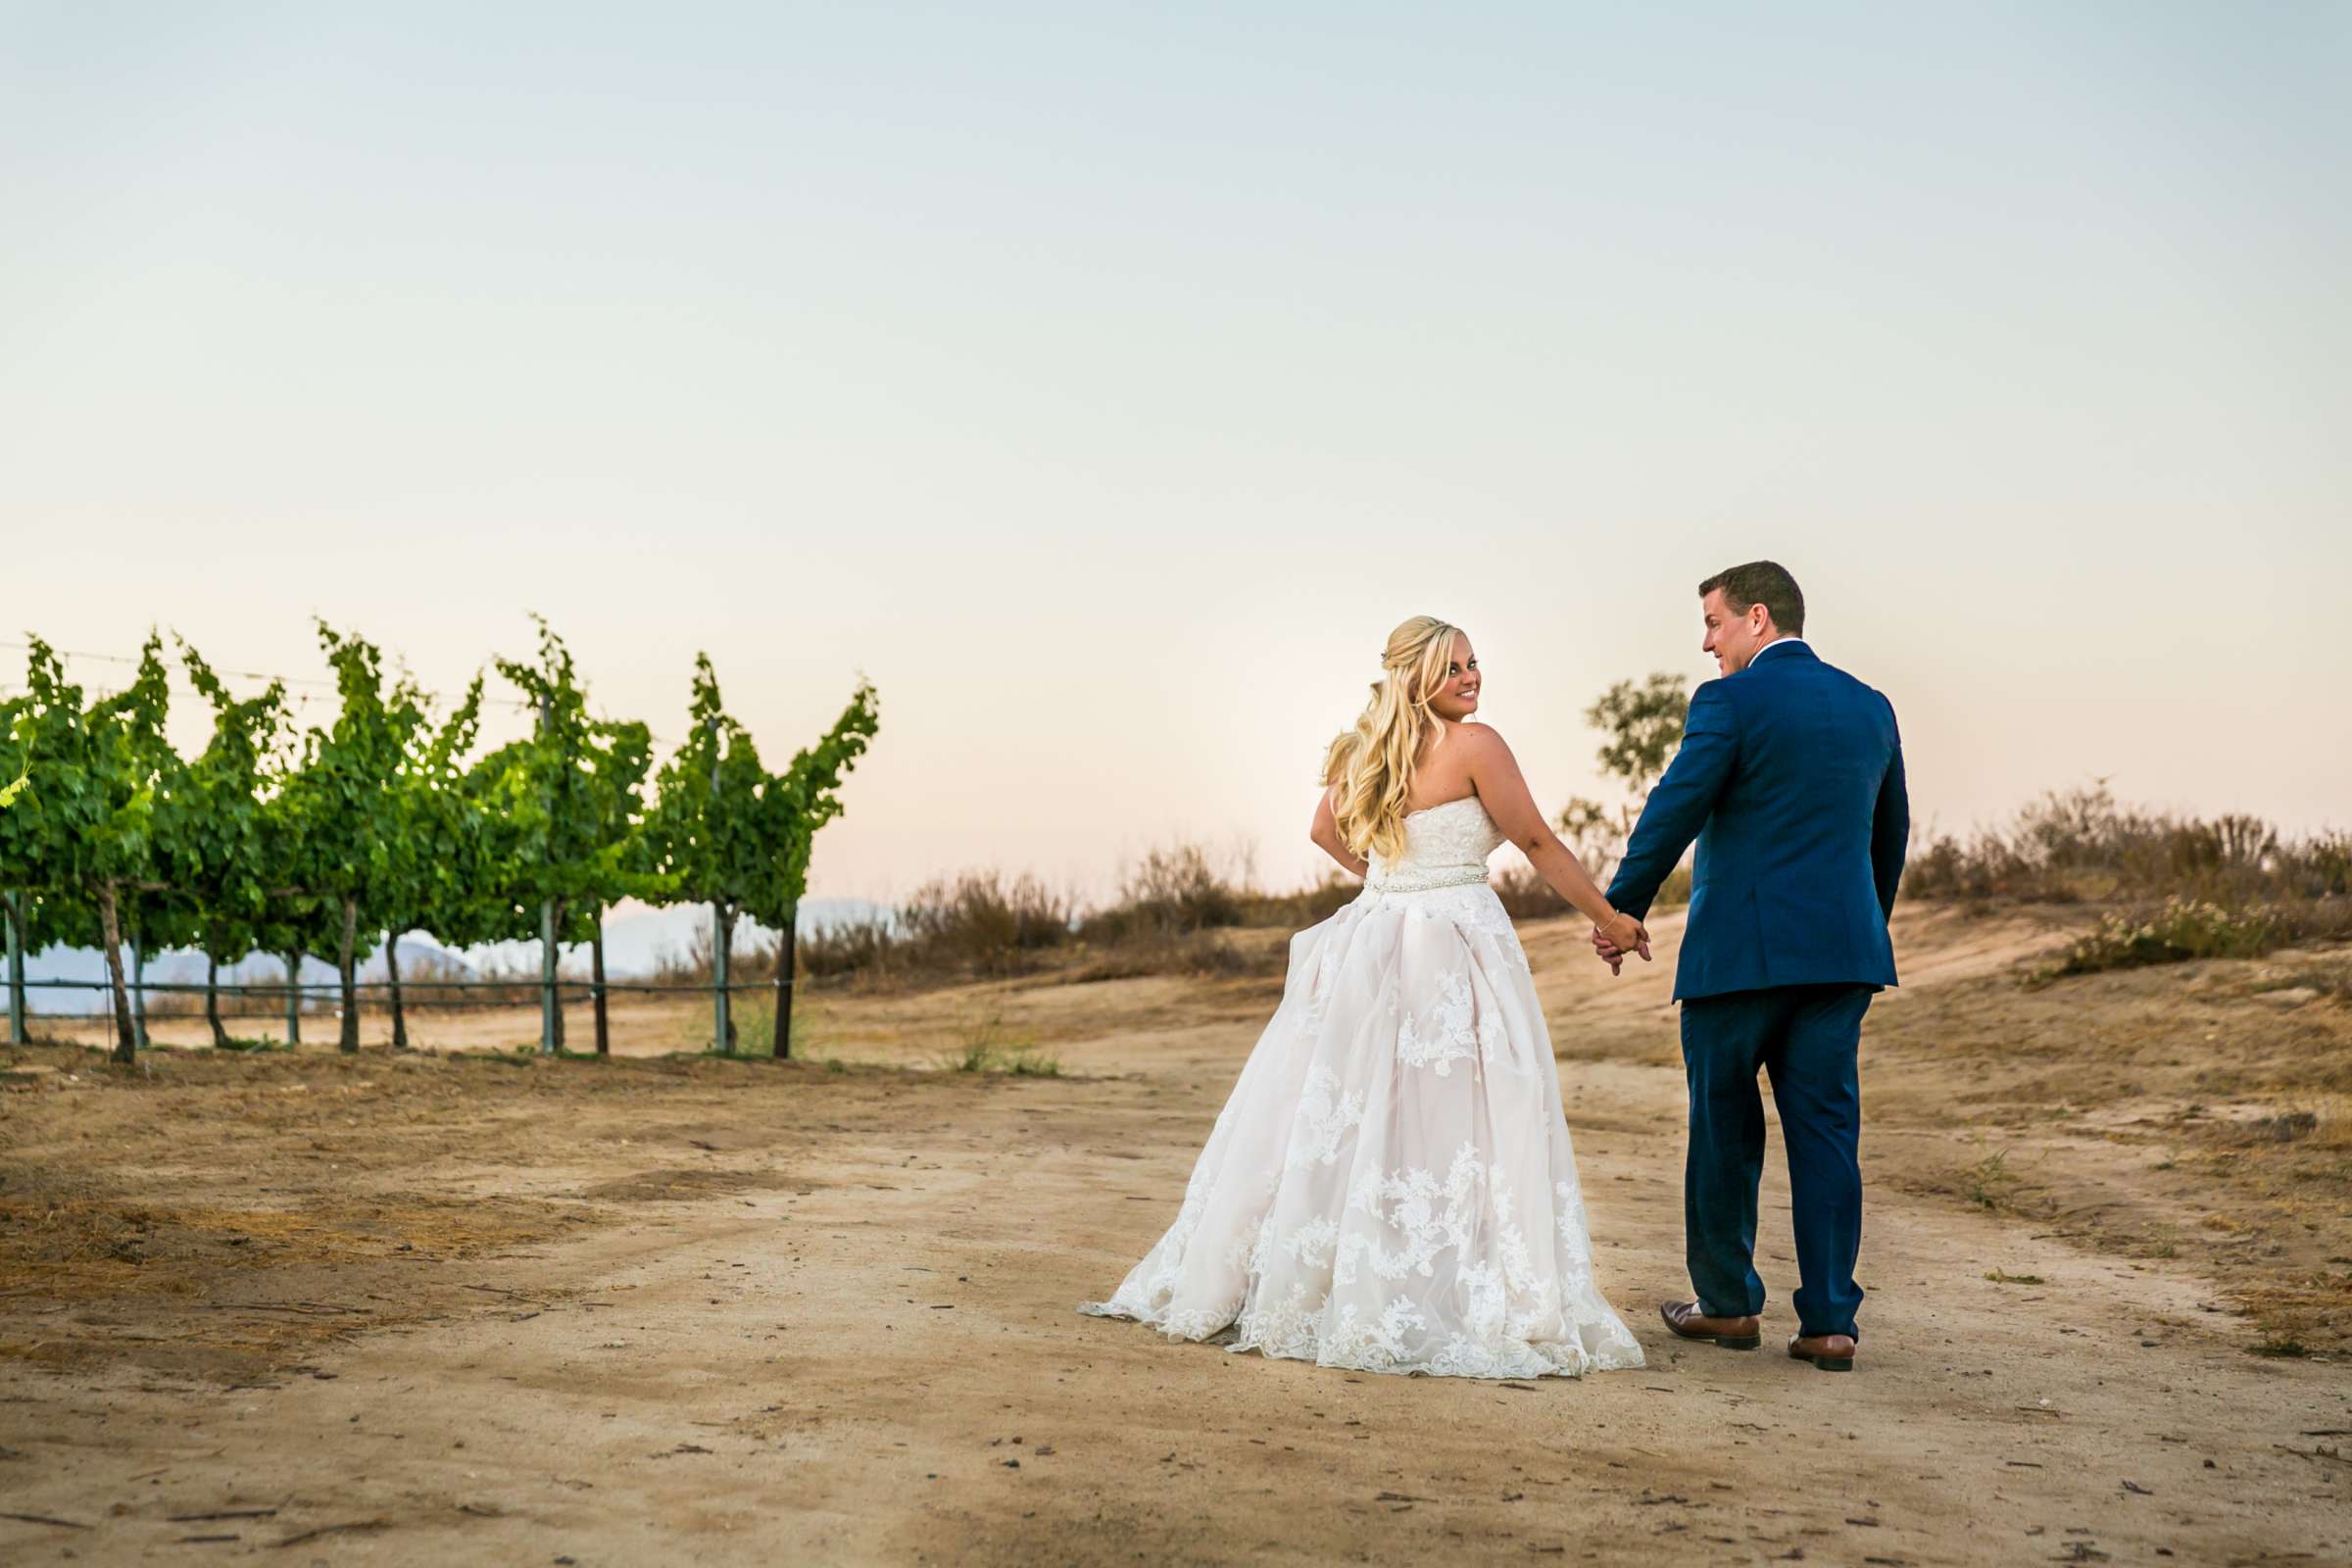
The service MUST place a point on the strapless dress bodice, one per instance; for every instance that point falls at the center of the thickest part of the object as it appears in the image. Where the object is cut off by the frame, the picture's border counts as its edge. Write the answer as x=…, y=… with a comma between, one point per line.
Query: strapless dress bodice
x=1444, y=847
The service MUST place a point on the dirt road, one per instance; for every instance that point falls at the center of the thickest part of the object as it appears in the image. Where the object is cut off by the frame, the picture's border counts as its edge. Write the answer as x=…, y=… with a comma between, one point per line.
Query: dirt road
x=791, y=1314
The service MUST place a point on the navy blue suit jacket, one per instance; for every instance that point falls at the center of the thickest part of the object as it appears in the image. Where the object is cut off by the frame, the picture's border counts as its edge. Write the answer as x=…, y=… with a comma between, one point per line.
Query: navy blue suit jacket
x=1790, y=777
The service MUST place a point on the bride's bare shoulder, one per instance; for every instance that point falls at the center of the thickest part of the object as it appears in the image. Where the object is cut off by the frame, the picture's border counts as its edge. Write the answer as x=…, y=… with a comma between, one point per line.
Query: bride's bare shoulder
x=1480, y=740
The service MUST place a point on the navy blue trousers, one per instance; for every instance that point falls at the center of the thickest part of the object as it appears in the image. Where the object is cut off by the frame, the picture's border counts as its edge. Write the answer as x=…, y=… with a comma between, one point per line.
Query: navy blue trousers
x=1807, y=1038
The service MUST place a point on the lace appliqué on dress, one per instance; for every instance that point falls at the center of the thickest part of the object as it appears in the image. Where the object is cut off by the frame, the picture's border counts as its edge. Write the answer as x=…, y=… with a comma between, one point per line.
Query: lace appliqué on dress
x=1455, y=1030
x=1390, y=1187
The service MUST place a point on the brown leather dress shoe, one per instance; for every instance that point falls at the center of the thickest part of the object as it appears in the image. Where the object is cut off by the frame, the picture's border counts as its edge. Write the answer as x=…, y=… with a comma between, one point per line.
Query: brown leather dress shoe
x=1832, y=1353
x=1732, y=1333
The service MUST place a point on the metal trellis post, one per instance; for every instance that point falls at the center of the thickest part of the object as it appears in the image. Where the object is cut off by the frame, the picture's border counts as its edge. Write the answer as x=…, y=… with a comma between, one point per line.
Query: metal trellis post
x=294, y=998
x=547, y=928
x=12, y=904
x=718, y=920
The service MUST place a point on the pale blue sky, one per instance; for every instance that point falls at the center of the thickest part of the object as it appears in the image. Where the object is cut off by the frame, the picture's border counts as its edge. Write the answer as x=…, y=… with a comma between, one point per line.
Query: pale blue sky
x=1106, y=383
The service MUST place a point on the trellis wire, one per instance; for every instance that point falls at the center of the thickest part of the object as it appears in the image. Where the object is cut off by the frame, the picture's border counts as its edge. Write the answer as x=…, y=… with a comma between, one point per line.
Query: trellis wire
x=276, y=992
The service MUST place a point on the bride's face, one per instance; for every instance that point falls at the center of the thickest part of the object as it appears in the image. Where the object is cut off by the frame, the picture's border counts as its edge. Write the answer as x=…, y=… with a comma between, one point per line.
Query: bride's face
x=1456, y=696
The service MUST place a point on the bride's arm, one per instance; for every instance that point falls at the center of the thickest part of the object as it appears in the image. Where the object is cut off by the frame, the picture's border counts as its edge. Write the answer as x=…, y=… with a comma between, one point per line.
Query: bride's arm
x=1326, y=834
x=1494, y=774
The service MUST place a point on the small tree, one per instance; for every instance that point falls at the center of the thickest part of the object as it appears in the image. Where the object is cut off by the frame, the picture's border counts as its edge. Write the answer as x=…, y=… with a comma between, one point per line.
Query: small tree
x=725, y=832
x=41, y=920
x=572, y=799
x=342, y=804
x=434, y=880
x=83, y=824
x=213, y=850
x=16, y=904
x=1642, y=725
x=616, y=759
x=294, y=925
x=700, y=830
x=793, y=805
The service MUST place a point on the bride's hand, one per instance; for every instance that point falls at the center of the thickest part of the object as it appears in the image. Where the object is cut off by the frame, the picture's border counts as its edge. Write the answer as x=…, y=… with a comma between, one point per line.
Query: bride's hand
x=1621, y=936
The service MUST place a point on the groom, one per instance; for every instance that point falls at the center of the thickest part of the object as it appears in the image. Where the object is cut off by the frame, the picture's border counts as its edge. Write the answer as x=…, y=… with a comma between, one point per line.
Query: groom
x=1790, y=777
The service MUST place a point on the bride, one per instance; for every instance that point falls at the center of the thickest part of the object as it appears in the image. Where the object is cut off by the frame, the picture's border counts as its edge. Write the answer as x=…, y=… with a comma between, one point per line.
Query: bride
x=1391, y=1186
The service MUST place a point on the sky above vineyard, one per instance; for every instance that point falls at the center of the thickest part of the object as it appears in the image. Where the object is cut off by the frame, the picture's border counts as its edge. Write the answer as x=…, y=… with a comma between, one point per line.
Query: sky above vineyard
x=1104, y=386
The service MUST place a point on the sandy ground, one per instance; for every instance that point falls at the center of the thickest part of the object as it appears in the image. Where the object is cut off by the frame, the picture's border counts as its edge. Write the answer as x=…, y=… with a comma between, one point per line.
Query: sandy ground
x=456, y=1310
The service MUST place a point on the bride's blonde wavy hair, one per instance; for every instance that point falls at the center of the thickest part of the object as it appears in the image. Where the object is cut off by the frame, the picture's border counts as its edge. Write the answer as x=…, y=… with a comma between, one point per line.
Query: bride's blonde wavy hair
x=1373, y=764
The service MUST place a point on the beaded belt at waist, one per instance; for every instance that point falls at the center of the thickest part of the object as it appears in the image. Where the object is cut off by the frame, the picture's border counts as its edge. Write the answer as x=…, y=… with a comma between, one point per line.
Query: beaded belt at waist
x=1450, y=876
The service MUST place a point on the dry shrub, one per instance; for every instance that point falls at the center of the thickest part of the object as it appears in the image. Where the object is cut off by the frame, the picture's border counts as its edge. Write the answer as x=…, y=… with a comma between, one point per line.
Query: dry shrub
x=2079, y=844
x=1307, y=906
x=1173, y=904
x=871, y=948
x=975, y=922
x=2230, y=887
x=1183, y=889
x=1526, y=896
x=751, y=957
x=1170, y=907
x=2195, y=928
x=1168, y=893
x=2183, y=929
x=984, y=923
x=867, y=945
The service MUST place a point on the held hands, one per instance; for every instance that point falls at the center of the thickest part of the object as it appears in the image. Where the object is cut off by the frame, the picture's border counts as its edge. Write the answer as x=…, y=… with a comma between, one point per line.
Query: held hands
x=1621, y=936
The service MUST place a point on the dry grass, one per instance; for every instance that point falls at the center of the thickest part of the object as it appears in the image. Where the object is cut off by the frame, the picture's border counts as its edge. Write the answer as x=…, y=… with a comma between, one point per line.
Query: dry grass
x=1168, y=919
x=2200, y=1110
x=2080, y=846
x=2183, y=929
x=1169, y=892
x=844, y=950
x=986, y=1046
x=985, y=923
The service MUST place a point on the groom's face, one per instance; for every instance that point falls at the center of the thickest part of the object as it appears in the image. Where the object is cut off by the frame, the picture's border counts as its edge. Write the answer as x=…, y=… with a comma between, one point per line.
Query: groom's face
x=1734, y=637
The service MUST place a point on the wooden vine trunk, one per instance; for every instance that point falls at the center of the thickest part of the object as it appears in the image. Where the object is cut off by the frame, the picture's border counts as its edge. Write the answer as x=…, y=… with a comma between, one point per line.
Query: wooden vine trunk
x=785, y=959
x=723, y=943
x=11, y=909
x=595, y=970
x=400, y=1019
x=126, y=1040
x=348, y=1040
x=212, y=1001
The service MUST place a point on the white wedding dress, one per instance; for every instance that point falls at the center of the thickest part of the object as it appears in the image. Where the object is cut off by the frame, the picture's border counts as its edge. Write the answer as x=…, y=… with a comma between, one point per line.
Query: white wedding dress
x=1390, y=1187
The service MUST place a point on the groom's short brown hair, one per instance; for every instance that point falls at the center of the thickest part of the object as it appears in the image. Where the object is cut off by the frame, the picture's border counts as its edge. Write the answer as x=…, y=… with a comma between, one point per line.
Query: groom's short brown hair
x=1762, y=582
